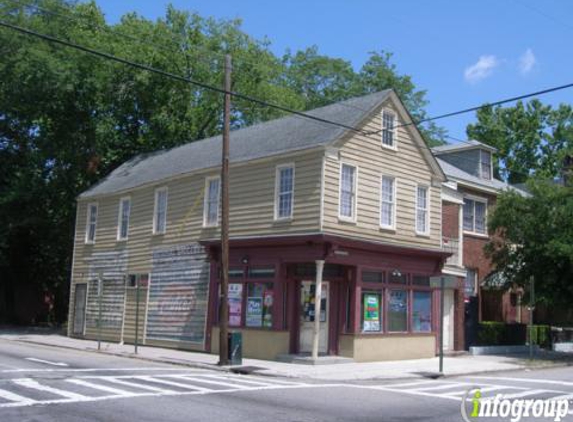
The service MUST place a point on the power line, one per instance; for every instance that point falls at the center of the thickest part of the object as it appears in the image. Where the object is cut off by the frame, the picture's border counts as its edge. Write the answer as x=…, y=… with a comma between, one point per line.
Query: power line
x=147, y=68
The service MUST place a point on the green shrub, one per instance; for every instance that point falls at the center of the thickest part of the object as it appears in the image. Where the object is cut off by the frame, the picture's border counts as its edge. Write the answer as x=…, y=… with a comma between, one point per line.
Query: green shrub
x=540, y=335
x=492, y=333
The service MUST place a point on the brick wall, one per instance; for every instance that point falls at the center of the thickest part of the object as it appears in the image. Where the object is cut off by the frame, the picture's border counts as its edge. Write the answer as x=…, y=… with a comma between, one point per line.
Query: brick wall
x=450, y=222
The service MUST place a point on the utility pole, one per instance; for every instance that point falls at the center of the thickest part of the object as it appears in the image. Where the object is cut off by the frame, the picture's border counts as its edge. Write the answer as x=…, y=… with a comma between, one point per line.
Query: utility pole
x=531, y=308
x=224, y=307
x=99, y=312
x=442, y=286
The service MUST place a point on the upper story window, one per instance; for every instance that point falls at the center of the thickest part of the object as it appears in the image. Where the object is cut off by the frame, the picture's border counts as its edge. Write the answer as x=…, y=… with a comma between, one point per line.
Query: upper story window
x=475, y=215
x=388, y=129
x=284, y=192
x=160, y=211
x=91, y=223
x=485, y=164
x=388, y=202
x=422, y=210
x=123, y=218
x=347, y=207
x=212, y=199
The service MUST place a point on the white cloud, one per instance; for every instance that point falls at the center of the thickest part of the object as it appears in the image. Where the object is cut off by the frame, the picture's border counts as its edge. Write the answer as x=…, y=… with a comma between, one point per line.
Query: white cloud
x=527, y=61
x=481, y=69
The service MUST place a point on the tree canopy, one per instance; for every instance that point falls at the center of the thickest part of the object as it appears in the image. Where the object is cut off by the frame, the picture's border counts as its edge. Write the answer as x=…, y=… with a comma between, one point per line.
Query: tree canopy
x=67, y=118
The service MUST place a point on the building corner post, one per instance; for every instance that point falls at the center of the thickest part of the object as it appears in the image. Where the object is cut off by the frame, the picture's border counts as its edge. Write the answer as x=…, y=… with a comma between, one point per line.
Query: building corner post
x=317, y=305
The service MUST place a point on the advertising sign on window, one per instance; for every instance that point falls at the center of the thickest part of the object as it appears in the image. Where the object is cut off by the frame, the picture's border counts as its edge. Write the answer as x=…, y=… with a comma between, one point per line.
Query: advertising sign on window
x=254, y=317
x=235, y=304
x=371, y=312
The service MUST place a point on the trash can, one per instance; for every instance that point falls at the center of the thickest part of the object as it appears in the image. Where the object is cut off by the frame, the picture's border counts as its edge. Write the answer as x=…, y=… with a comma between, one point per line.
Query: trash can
x=235, y=352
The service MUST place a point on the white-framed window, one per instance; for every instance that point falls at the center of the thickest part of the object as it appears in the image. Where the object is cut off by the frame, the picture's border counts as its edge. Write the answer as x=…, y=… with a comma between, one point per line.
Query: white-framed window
x=388, y=202
x=160, y=211
x=284, y=191
x=485, y=164
x=123, y=218
x=422, y=210
x=347, y=194
x=388, y=129
x=475, y=215
x=91, y=222
x=212, y=201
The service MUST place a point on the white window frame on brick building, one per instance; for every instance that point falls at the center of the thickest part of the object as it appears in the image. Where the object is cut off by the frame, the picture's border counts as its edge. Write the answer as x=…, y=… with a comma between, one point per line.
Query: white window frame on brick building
x=470, y=221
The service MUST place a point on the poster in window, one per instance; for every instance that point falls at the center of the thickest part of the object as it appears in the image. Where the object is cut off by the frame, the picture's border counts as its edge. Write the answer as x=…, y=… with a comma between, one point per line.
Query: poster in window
x=371, y=312
x=254, y=317
x=267, y=309
x=235, y=299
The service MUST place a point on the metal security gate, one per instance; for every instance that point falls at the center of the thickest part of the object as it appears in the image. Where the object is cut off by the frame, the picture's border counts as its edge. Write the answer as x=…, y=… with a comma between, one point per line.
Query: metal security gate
x=80, y=309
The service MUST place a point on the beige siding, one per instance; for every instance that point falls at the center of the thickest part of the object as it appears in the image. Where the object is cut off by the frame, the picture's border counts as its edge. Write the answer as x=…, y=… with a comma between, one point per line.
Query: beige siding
x=252, y=193
x=409, y=168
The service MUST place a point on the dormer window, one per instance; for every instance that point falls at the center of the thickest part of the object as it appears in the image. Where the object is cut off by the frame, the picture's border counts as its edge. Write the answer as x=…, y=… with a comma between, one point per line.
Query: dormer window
x=485, y=164
x=388, y=129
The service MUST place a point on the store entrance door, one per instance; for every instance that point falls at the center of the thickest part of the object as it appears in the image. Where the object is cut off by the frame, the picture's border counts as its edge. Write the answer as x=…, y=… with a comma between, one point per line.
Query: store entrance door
x=307, y=315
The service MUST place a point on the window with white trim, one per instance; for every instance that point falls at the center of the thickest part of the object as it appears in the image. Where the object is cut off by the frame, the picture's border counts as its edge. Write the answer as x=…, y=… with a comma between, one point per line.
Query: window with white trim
x=388, y=202
x=475, y=216
x=422, y=210
x=123, y=218
x=347, y=207
x=388, y=129
x=284, y=192
x=212, y=200
x=160, y=211
x=91, y=223
x=485, y=164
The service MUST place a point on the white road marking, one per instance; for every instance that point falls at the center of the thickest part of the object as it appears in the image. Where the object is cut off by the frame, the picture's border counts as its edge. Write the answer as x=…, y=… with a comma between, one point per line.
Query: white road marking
x=140, y=386
x=15, y=397
x=208, y=381
x=9, y=371
x=524, y=394
x=173, y=383
x=443, y=386
x=243, y=380
x=411, y=384
x=101, y=387
x=47, y=362
x=526, y=380
x=33, y=384
x=486, y=390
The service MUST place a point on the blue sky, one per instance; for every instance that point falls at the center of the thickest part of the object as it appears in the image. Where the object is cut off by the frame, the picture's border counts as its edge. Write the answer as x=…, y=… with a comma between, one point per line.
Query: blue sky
x=464, y=53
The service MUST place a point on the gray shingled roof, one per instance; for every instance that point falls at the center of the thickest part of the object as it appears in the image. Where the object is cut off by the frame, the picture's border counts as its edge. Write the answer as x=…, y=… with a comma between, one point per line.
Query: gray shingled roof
x=471, y=144
x=457, y=174
x=277, y=136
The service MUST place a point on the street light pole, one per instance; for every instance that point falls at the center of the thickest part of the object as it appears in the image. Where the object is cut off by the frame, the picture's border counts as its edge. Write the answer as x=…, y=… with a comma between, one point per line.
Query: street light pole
x=224, y=307
x=442, y=285
x=531, y=308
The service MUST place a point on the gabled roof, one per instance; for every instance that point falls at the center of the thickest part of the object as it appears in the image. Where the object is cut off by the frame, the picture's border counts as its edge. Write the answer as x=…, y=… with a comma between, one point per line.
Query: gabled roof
x=464, y=178
x=278, y=136
x=462, y=146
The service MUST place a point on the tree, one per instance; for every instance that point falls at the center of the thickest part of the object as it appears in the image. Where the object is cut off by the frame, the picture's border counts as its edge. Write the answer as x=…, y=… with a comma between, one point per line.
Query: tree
x=535, y=238
x=531, y=138
x=67, y=118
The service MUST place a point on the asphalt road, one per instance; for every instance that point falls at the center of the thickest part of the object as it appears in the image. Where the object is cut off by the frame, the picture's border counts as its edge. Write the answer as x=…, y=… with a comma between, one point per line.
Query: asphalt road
x=48, y=384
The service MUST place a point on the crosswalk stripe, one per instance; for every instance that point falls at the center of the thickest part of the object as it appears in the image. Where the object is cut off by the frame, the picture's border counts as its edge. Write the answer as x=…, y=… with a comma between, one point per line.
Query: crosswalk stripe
x=411, y=384
x=443, y=386
x=173, y=383
x=526, y=380
x=208, y=381
x=246, y=381
x=14, y=397
x=101, y=387
x=483, y=390
x=141, y=386
x=524, y=394
x=563, y=397
x=32, y=384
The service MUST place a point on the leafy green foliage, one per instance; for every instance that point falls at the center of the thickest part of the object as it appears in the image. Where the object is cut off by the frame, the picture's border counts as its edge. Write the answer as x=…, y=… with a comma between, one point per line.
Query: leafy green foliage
x=536, y=239
x=531, y=138
x=67, y=118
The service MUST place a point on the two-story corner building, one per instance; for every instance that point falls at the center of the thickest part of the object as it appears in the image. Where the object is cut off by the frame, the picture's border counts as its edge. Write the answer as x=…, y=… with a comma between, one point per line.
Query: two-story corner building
x=468, y=196
x=367, y=204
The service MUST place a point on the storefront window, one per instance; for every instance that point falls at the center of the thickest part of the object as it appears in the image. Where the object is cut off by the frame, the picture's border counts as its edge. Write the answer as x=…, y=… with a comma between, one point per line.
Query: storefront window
x=372, y=277
x=260, y=298
x=418, y=280
x=371, y=312
x=264, y=272
x=398, y=278
x=422, y=312
x=235, y=299
x=398, y=311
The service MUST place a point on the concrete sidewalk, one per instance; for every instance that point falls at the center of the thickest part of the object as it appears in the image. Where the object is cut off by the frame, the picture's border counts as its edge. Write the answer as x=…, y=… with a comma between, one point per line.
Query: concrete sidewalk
x=404, y=369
